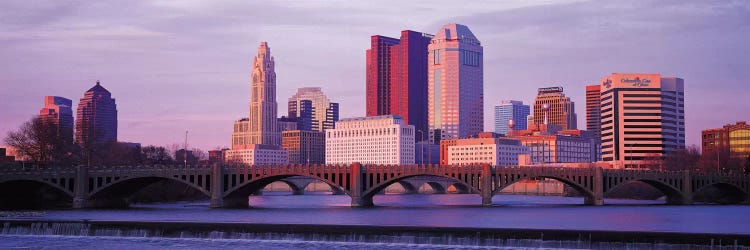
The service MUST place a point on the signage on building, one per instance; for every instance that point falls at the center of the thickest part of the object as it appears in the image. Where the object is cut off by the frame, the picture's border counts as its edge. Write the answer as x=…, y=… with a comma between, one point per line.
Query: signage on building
x=636, y=82
x=607, y=83
x=550, y=90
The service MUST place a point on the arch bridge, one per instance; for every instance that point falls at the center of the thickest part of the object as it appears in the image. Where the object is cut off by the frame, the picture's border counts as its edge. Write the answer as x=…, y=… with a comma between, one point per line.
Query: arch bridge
x=230, y=186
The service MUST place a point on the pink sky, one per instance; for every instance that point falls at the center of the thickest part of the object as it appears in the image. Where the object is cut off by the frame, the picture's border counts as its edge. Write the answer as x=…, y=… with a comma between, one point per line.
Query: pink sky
x=185, y=65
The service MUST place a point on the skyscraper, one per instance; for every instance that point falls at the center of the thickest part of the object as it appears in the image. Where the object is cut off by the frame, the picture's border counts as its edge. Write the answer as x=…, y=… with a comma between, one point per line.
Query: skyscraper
x=319, y=108
x=642, y=116
x=58, y=111
x=455, y=90
x=593, y=109
x=397, y=77
x=263, y=108
x=96, y=119
x=511, y=110
x=553, y=107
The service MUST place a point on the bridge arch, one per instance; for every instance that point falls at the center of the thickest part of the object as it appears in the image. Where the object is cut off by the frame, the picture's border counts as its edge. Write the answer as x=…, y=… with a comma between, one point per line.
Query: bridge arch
x=730, y=192
x=672, y=193
x=334, y=189
x=25, y=193
x=437, y=188
x=579, y=187
x=369, y=193
x=125, y=186
x=237, y=196
x=460, y=188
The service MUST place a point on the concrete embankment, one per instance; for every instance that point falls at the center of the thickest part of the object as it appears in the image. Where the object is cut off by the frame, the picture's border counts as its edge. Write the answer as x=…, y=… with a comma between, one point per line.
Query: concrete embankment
x=359, y=233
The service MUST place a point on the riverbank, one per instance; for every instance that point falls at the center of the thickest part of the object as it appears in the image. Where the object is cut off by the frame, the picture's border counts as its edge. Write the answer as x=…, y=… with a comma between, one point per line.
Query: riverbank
x=364, y=233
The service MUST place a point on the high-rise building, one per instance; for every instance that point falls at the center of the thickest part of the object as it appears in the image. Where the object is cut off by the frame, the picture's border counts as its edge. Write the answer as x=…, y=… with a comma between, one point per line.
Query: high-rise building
x=304, y=147
x=732, y=141
x=509, y=111
x=312, y=109
x=397, y=77
x=58, y=111
x=642, y=116
x=455, y=90
x=553, y=107
x=370, y=140
x=593, y=109
x=96, y=119
x=486, y=148
x=263, y=107
x=257, y=139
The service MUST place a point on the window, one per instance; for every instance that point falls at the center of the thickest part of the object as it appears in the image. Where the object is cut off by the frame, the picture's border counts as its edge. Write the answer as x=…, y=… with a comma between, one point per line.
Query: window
x=436, y=57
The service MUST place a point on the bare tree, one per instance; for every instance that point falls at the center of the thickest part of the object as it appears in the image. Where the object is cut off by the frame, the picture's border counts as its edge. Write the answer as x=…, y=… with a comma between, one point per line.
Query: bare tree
x=42, y=142
x=682, y=159
x=156, y=155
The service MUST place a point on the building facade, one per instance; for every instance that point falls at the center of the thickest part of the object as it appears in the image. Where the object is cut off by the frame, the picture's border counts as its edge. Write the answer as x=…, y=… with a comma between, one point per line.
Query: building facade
x=262, y=128
x=370, y=140
x=304, y=147
x=731, y=141
x=593, y=109
x=59, y=112
x=642, y=116
x=487, y=148
x=553, y=107
x=256, y=154
x=455, y=84
x=397, y=77
x=313, y=109
x=96, y=118
x=566, y=146
x=509, y=111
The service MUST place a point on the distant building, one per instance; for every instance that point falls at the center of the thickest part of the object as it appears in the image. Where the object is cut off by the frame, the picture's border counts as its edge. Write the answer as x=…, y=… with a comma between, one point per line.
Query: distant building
x=593, y=109
x=96, y=120
x=732, y=141
x=511, y=110
x=183, y=156
x=257, y=154
x=304, y=147
x=4, y=157
x=553, y=107
x=642, y=116
x=426, y=153
x=216, y=156
x=397, y=77
x=58, y=111
x=370, y=140
x=455, y=84
x=487, y=148
x=240, y=131
x=312, y=109
x=286, y=124
x=550, y=144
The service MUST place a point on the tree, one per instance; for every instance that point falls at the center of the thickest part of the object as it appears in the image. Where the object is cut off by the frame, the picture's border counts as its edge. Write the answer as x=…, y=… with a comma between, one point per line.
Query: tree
x=155, y=155
x=43, y=143
x=747, y=165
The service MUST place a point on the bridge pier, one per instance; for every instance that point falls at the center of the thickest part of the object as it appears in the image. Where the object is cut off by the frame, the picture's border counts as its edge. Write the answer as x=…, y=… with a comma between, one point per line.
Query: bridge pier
x=81, y=187
x=597, y=196
x=217, y=186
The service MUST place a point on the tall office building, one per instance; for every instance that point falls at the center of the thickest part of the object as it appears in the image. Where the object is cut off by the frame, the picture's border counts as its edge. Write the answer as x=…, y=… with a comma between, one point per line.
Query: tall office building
x=554, y=108
x=263, y=108
x=397, y=77
x=318, y=107
x=455, y=90
x=593, y=109
x=642, y=115
x=96, y=119
x=511, y=110
x=58, y=111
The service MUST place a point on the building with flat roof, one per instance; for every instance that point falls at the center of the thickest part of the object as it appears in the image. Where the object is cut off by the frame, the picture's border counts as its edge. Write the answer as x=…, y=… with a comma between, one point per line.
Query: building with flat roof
x=642, y=116
x=256, y=154
x=730, y=142
x=551, y=106
x=312, y=109
x=455, y=90
x=593, y=109
x=370, y=140
x=397, y=77
x=550, y=144
x=58, y=111
x=304, y=147
x=511, y=113
x=487, y=148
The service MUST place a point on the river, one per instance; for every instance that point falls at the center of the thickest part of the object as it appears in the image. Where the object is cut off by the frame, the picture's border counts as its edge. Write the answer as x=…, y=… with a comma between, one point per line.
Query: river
x=450, y=210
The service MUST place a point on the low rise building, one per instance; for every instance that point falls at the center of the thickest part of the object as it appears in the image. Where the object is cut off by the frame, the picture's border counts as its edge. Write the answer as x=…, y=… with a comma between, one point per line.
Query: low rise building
x=487, y=148
x=256, y=154
x=304, y=147
x=370, y=140
x=731, y=141
x=549, y=144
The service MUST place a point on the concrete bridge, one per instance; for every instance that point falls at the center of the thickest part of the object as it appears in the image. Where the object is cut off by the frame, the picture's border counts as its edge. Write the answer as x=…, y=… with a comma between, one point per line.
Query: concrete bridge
x=230, y=186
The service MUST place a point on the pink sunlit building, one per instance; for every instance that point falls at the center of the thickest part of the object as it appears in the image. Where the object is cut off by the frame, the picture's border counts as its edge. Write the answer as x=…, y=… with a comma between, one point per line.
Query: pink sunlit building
x=96, y=120
x=642, y=116
x=455, y=84
x=58, y=111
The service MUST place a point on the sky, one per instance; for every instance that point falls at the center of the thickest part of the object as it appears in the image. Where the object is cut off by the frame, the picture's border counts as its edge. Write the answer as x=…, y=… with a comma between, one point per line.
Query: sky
x=174, y=66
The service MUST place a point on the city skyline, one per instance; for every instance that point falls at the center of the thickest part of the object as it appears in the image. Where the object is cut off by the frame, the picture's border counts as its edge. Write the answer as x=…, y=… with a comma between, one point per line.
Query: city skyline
x=154, y=79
